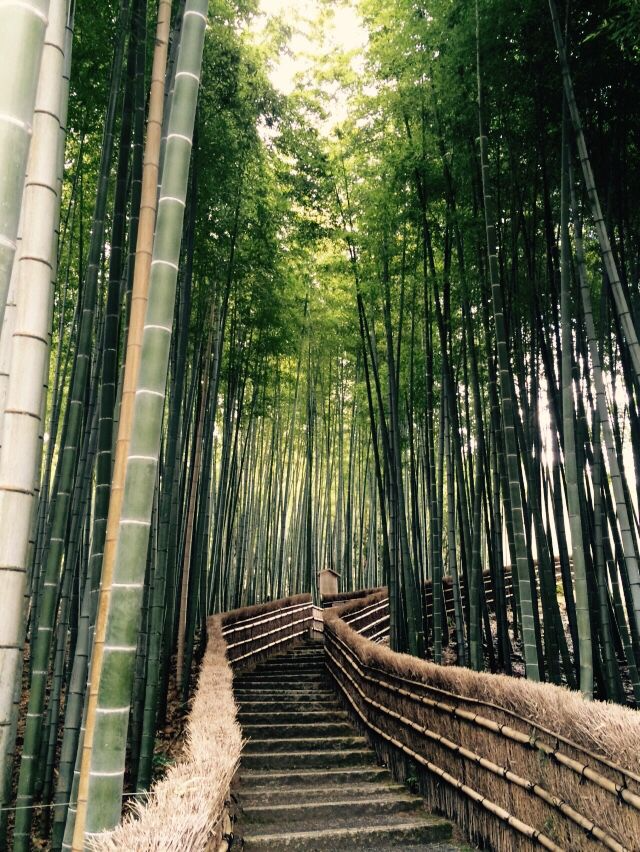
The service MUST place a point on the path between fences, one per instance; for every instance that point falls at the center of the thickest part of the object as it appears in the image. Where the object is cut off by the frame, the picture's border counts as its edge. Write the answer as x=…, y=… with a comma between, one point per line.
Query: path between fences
x=308, y=779
x=327, y=725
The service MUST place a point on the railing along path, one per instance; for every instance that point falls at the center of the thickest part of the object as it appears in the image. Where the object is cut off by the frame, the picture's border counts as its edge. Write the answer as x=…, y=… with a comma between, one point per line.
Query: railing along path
x=516, y=764
x=508, y=778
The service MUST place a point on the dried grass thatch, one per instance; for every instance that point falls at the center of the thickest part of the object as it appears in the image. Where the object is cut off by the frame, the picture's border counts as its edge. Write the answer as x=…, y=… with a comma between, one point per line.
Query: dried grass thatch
x=185, y=810
x=228, y=619
x=492, y=733
x=354, y=606
x=331, y=600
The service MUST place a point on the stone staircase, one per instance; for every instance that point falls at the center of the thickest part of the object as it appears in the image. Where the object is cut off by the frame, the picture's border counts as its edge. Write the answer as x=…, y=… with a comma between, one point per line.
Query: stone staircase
x=308, y=781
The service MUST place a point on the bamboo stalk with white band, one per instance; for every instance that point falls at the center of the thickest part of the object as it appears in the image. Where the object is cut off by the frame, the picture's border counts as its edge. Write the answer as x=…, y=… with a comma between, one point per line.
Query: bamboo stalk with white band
x=22, y=28
x=19, y=462
x=107, y=720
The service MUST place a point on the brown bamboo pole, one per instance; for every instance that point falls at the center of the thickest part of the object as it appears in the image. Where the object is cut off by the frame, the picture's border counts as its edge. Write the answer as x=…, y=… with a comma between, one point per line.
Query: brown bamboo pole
x=619, y=791
x=534, y=741
x=504, y=816
x=139, y=297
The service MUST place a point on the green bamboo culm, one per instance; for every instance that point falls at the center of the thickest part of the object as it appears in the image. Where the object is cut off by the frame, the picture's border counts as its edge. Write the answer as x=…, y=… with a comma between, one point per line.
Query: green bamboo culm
x=568, y=416
x=619, y=298
x=506, y=398
x=22, y=29
x=34, y=270
x=624, y=513
x=68, y=466
x=106, y=774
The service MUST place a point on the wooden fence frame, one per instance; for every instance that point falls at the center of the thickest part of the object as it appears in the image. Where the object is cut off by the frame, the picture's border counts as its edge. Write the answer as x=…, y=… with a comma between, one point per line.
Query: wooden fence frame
x=413, y=724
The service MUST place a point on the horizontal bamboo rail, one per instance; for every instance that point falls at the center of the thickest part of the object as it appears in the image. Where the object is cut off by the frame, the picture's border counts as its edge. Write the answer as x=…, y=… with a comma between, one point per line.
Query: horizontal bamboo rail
x=496, y=810
x=382, y=701
x=369, y=610
x=331, y=601
x=626, y=774
x=259, y=620
x=255, y=635
x=504, y=772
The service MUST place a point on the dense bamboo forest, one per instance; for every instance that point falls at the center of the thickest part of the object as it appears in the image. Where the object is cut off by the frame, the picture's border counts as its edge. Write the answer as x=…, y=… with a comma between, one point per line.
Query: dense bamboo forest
x=382, y=321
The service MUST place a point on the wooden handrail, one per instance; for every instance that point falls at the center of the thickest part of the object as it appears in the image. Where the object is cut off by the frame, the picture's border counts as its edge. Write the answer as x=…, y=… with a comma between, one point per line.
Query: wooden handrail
x=279, y=629
x=255, y=620
x=267, y=630
x=512, y=821
x=366, y=611
x=507, y=774
x=270, y=645
x=456, y=697
x=583, y=770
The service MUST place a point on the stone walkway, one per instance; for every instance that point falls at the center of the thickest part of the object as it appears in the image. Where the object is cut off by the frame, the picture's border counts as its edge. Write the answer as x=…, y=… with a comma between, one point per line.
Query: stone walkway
x=308, y=780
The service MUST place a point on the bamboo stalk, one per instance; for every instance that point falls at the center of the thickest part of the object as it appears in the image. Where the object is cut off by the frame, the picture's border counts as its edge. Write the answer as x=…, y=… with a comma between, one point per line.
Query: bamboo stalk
x=21, y=448
x=144, y=248
x=99, y=800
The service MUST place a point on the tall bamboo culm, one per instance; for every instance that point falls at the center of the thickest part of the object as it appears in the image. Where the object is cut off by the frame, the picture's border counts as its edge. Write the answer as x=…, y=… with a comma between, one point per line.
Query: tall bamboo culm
x=19, y=461
x=139, y=296
x=22, y=29
x=506, y=399
x=100, y=794
x=620, y=301
x=570, y=460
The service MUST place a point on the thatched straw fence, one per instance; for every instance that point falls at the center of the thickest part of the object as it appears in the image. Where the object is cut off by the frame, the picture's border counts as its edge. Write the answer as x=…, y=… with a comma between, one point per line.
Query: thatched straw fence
x=519, y=765
x=257, y=632
x=342, y=597
x=427, y=594
x=187, y=811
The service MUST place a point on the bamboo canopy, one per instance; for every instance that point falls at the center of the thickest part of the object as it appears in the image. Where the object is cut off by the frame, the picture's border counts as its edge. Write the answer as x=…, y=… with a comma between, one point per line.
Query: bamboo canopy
x=273, y=326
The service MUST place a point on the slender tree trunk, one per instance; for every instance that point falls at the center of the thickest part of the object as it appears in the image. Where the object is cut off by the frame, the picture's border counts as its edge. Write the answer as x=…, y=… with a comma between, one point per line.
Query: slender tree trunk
x=570, y=463
x=77, y=817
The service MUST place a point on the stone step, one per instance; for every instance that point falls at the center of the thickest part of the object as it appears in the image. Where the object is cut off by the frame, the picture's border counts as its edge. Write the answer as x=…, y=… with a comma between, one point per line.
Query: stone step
x=297, y=730
x=321, y=759
x=280, y=676
x=279, y=687
x=314, y=654
x=303, y=705
x=291, y=664
x=440, y=846
x=276, y=687
x=302, y=651
x=394, y=830
x=277, y=682
x=321, y=791
x=284, y=695
x=316, y=658
x=308, y=744
x=295, y=717
x=312, y=778
x=289, y=813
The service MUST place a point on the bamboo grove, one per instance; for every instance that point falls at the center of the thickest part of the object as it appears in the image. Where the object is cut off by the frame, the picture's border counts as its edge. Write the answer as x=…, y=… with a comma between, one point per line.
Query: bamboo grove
x=242, y=343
